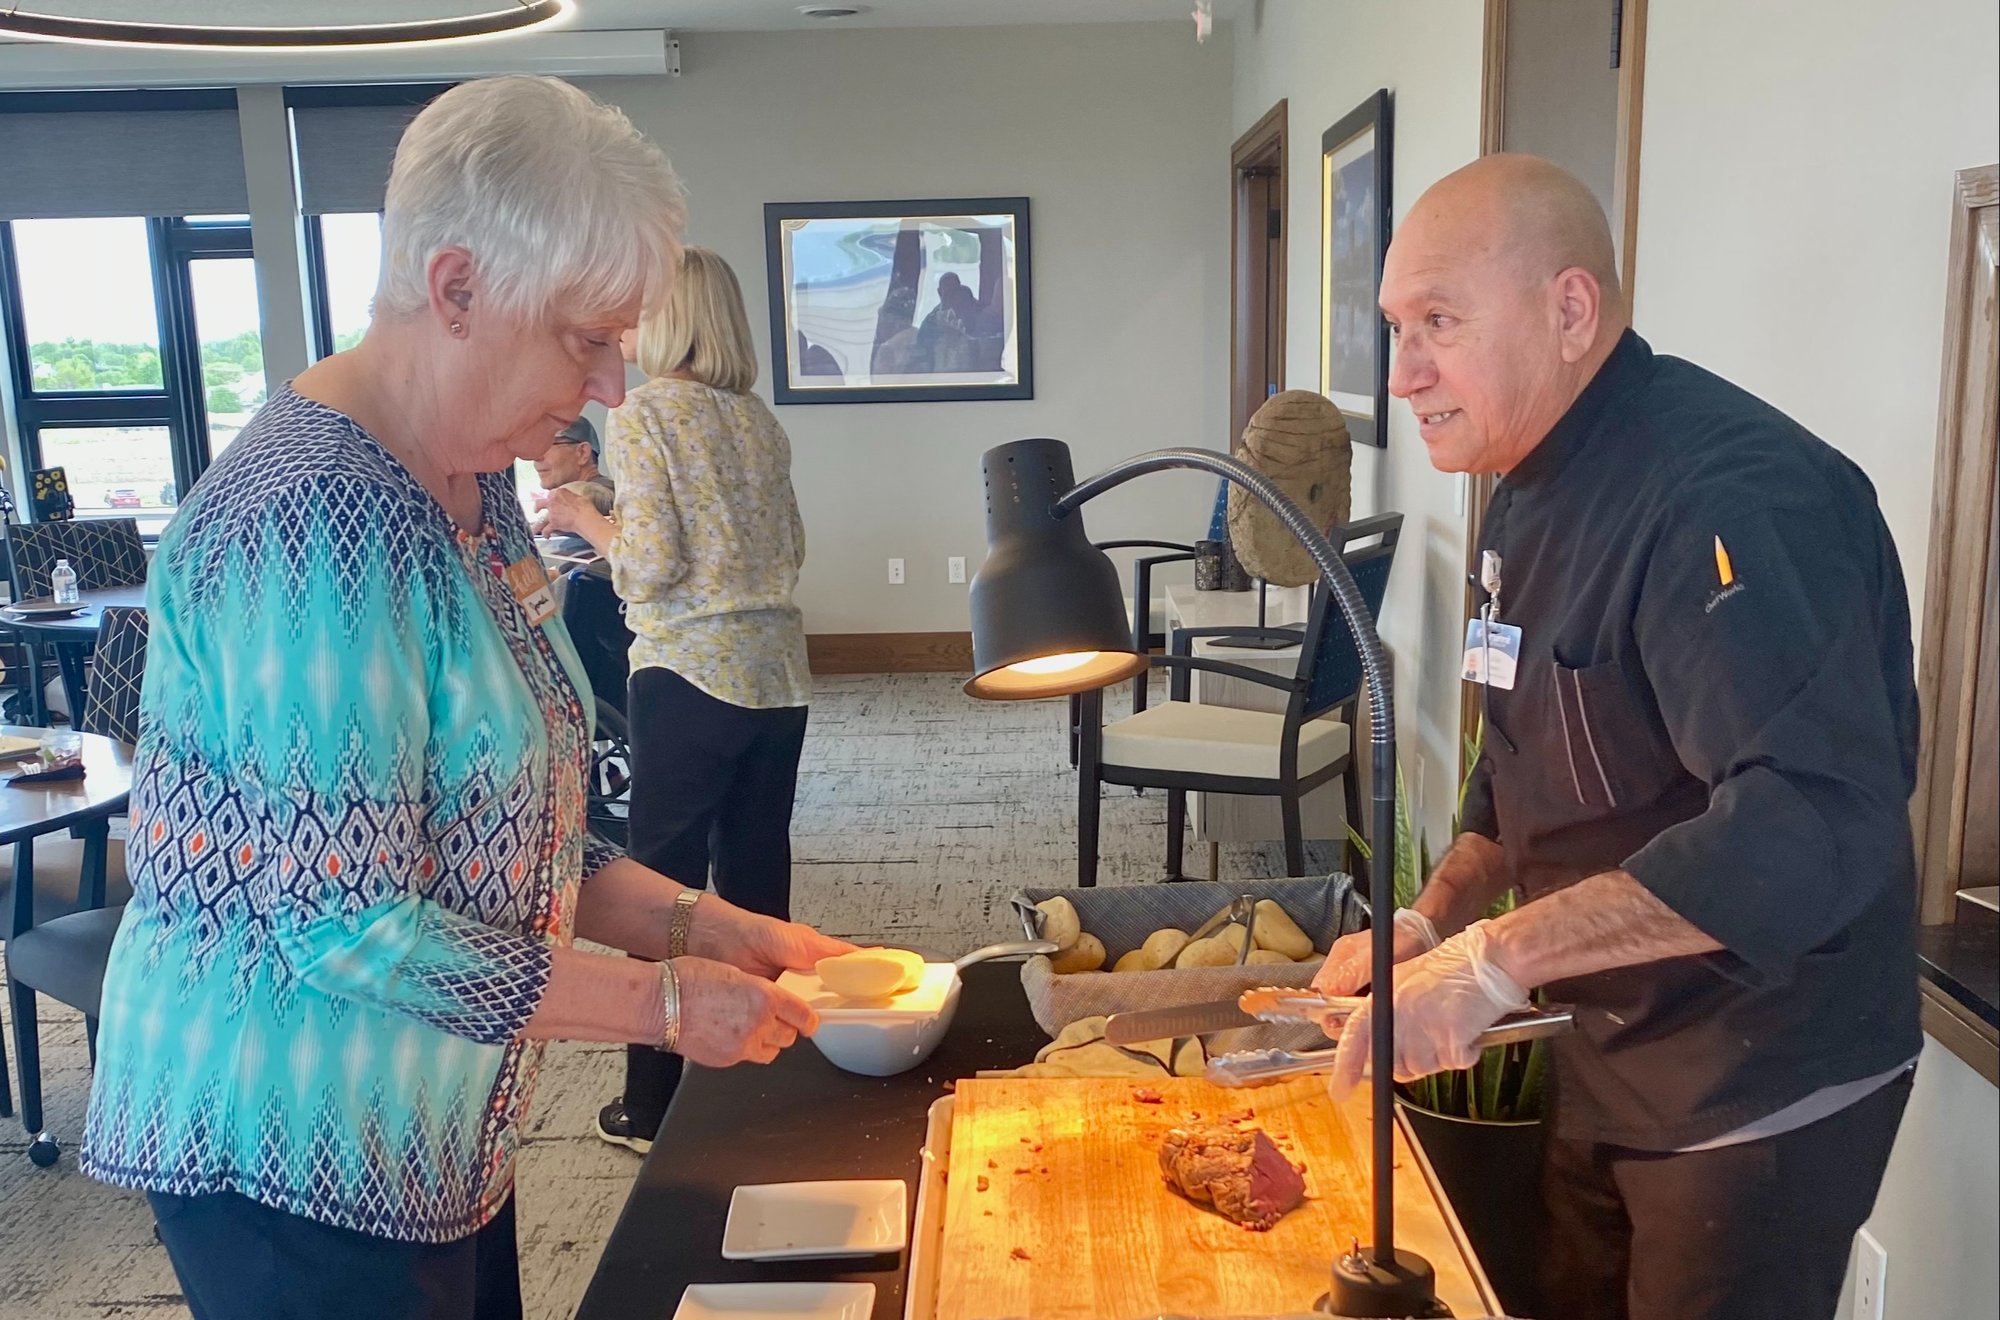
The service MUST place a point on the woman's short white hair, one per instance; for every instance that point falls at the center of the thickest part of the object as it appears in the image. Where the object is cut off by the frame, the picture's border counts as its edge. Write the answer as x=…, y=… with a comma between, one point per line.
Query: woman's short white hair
x=565, y=208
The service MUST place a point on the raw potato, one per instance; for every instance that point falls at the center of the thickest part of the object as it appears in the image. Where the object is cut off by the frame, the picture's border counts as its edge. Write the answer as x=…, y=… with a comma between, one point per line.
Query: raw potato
x=1136, y=961
x=1277, y=931
x=1313, y=957
x=1267, y=956
x=871, y=973
x=1165, y=945
x=1211, y=952
x=1085, y=955
x=1059, y=922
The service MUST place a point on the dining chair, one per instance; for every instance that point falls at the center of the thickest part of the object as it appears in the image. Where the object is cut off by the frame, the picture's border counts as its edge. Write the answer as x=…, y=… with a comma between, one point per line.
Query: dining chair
x=1144, y=638
x=1183, y=746
x=105, y=552
x=64, y=958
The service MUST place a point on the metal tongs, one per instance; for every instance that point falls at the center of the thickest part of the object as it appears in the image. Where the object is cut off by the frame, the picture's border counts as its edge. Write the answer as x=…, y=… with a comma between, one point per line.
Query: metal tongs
x=1329, y=1013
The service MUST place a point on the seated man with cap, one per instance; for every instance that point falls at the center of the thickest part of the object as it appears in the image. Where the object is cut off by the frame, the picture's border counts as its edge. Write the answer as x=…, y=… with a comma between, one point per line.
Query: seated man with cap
x=571, y=463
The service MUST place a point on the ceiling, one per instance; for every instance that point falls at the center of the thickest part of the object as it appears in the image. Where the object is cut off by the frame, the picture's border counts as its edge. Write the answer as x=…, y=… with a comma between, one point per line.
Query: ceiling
x=680, y=15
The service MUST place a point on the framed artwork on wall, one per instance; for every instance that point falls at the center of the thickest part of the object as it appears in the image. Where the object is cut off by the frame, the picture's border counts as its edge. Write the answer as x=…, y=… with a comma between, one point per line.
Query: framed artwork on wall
x=899, y=302
x=1354, y=170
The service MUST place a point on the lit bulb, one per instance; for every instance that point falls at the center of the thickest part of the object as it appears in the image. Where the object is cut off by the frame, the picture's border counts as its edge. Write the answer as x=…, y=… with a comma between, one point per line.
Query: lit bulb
x=1055, y=664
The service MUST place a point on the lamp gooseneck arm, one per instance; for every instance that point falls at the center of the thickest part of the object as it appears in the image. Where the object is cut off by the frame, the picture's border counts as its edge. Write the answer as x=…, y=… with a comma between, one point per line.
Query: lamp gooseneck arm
x=1382, y=735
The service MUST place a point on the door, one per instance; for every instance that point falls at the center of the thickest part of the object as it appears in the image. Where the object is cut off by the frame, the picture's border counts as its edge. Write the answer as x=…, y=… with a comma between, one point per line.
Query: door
x=1257, y=269
x=1563, y=79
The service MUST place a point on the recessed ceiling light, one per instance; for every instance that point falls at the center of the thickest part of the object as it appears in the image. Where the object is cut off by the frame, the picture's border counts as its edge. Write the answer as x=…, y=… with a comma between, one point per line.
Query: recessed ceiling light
x=498, y=18
x=830, y=12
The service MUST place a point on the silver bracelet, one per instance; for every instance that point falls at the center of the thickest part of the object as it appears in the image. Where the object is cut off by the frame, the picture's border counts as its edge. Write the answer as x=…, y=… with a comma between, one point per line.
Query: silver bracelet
x=682, y=922
x=670, y=1003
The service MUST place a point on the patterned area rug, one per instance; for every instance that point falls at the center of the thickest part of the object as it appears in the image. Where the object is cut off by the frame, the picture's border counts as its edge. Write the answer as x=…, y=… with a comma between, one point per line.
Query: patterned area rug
x=919, y=812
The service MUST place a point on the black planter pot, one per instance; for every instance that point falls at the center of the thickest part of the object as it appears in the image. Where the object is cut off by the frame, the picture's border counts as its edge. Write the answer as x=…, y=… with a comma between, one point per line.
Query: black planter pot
x=1492, y=1175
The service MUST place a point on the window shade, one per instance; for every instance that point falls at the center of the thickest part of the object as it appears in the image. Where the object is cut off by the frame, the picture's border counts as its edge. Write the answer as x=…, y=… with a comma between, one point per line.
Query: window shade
x=344, y=154
x=74, y=164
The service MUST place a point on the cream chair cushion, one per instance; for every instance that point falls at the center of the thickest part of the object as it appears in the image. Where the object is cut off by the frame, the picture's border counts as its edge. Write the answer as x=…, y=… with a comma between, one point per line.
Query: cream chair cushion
x=1219, y=740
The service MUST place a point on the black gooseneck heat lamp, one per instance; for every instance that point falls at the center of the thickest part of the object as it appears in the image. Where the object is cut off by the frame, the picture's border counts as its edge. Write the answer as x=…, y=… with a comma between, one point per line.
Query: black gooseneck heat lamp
x=1048, y=619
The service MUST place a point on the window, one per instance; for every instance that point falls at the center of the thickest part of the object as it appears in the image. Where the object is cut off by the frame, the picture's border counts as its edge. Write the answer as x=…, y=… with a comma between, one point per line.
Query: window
x=136, y=351
x=345, y=252
x=87, y=305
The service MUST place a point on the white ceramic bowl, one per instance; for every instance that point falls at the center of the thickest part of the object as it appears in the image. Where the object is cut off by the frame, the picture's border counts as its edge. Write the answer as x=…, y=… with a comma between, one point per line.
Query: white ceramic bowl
x=880, y=1040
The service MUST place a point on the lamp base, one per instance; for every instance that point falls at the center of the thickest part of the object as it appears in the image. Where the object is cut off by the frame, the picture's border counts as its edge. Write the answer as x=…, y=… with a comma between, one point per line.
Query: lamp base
x=1363, y=1287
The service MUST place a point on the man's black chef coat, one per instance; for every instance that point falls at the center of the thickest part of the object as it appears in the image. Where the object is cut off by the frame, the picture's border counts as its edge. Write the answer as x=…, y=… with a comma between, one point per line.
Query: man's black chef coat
x=1715, y=694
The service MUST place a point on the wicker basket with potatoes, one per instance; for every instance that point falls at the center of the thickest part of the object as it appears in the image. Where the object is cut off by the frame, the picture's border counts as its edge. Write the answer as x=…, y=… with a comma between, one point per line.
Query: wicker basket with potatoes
x=1134, y=947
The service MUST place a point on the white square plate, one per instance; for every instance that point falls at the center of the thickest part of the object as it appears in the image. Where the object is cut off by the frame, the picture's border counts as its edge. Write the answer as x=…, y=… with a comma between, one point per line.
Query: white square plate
x=793, y=1221
x=776, y=1301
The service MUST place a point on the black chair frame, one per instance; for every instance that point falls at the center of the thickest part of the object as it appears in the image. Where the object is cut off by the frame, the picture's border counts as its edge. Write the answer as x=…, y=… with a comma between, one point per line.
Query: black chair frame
x=1324, y=627
x=1144, y=639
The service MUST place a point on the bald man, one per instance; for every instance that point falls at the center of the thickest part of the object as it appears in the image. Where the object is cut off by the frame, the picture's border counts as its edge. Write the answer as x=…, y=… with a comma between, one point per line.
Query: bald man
x=1700, y=745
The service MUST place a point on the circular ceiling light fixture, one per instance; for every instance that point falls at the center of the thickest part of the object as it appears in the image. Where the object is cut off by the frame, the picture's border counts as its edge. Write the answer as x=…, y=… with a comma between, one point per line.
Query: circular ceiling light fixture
x=251, y=24
x=827, y=13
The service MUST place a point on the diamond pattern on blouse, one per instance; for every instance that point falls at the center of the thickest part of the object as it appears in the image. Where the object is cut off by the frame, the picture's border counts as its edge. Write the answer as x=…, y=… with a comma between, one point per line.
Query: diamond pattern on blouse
x=358, y=824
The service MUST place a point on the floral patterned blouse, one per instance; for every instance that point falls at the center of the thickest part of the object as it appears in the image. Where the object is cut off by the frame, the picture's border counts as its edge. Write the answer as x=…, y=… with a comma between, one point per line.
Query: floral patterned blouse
x=709, y=542
x=357, y=835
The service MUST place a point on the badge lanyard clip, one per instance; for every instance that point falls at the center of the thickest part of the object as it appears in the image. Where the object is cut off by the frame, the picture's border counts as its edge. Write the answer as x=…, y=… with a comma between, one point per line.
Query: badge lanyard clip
x=1488, y=584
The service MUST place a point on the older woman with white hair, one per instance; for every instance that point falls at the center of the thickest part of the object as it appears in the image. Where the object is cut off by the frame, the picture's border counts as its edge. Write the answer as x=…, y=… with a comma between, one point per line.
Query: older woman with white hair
x=358, y=845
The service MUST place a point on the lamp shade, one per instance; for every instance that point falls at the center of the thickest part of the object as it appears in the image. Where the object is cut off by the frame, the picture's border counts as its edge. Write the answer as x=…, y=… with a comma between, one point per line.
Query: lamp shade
x=1048, y=614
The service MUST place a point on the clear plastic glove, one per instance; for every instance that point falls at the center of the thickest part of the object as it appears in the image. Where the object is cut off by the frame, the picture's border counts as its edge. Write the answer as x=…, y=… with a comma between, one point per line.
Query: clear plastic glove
x=1444, y=999
x=1349, y=964
x=729, y=1016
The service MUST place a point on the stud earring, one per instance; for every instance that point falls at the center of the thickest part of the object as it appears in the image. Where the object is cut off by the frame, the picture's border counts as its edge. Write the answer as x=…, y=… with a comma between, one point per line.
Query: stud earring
x=458, y=329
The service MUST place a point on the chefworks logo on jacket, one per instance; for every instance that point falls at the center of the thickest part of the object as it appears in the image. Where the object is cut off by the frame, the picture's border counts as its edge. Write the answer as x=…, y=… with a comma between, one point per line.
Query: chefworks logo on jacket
x=1725, y=574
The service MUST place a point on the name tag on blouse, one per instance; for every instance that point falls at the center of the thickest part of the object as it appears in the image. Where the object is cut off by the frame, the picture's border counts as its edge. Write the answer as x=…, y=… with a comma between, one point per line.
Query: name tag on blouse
x=529, y=582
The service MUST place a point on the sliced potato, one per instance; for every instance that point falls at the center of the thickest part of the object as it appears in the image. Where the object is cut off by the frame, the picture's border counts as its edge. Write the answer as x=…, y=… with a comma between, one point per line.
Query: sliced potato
x=1211, y=952
x=1086, y=954
x=1277, y=931
x=1165, y=945
x=1060, y=921
x=1267, y=956
x=1136, y=961
x=871, y=973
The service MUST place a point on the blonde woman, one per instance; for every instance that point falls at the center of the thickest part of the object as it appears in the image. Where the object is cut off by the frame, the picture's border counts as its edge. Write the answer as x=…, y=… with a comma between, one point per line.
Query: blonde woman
x=705, y=545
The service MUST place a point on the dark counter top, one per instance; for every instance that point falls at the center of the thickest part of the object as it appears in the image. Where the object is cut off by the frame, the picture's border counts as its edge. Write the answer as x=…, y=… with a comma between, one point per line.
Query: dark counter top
x=1964, y=962
x=798, y=1119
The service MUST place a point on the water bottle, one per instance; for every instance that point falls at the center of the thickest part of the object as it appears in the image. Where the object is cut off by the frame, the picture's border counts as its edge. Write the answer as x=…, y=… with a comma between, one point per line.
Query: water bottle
x=62, y=583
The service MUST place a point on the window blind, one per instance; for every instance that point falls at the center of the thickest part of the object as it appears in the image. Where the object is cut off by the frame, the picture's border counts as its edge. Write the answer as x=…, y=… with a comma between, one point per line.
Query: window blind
x=74, y=164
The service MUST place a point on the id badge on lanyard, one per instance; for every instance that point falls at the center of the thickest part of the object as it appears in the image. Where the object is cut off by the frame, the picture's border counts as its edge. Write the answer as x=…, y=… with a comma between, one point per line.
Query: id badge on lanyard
x=1492, y=648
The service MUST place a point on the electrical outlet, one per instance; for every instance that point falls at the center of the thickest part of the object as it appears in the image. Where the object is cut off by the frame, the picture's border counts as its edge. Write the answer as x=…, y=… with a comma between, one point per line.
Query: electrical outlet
x=1871, y=1276
x=895, y=572
x=954, y=569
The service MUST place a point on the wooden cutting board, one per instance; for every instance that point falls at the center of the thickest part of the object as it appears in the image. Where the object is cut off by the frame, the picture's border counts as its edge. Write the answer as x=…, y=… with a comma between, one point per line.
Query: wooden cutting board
x=1055, y=1207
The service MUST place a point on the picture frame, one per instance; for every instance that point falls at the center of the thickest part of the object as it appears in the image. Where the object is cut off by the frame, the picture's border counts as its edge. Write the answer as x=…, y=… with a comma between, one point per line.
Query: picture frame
x=1356, y=160
x=900, y=302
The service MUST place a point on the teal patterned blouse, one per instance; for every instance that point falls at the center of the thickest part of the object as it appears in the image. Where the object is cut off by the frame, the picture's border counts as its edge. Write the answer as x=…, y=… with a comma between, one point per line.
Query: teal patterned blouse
x=357, y=834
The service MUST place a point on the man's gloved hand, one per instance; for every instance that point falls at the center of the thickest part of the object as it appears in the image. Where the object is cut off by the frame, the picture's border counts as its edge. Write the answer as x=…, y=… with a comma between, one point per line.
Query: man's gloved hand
x=1444, y=999
x=1349, y=964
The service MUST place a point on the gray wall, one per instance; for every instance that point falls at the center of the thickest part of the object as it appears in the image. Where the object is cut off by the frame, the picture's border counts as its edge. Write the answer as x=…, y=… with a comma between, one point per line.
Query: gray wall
x=1117, y=134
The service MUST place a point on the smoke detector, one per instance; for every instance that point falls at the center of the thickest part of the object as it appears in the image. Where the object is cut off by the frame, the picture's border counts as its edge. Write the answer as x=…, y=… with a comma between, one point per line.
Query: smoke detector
x=829, y=13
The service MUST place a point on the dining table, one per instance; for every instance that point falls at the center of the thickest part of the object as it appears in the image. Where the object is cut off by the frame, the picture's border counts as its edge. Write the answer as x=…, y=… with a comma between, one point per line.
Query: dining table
x=796, y=1119
x=71, y=637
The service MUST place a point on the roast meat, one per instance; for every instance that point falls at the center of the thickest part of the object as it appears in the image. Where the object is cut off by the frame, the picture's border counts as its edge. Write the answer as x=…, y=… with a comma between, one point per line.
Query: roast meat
x=1236, y=1170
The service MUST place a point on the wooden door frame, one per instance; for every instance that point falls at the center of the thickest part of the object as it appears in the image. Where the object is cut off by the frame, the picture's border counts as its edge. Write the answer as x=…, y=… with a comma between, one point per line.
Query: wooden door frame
x=1266, y=142
x=1624, y=226
x=1961, y=538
